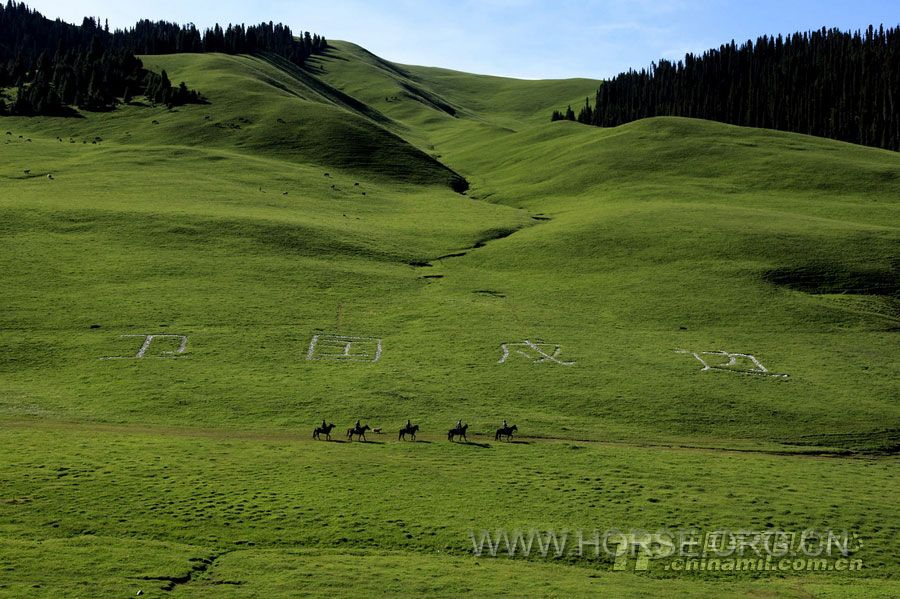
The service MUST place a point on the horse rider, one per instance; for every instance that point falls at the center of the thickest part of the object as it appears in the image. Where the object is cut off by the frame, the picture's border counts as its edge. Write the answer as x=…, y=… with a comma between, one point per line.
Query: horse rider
x=324, y=426
x=504, y=423
x=408, y=424
x=459, y=424
x=358, y=425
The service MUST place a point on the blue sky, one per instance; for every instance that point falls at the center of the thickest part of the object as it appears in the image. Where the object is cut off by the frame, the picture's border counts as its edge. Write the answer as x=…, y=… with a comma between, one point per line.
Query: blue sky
x=518, y=38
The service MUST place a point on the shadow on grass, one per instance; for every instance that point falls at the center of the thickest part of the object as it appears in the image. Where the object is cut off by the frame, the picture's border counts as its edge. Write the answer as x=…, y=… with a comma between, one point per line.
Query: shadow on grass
x=472, y=444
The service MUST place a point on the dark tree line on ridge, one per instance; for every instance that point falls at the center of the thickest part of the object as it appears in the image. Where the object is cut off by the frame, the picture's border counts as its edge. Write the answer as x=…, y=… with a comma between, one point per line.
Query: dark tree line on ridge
x=161, y=37
x=53, y=65
x=829, y=83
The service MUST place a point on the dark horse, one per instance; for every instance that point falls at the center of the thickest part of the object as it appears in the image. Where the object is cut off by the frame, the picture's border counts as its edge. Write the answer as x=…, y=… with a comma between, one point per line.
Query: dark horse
x=458, y=432
x=323, y=429
x=506, y=431
x=409, y=430
x=359, y=431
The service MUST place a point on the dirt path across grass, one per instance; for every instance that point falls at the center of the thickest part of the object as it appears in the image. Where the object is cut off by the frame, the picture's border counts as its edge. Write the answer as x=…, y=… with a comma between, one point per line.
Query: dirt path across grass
x=483, y=439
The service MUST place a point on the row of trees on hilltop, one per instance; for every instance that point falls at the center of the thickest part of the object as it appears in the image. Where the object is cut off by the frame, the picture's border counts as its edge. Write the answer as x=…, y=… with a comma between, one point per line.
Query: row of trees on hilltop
x=161, y=37
x=829, y=83
x=90, y=79
x=53, y=65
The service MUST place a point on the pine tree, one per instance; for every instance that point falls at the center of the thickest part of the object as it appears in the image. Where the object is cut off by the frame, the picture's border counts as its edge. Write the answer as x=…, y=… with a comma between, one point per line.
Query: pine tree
x=54, y=63
x=92, y=97
x=586, y=115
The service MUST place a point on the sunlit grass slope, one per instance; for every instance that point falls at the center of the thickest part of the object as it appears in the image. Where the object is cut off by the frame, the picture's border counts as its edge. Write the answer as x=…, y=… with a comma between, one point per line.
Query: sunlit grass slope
x=320, y=202
x=118, y=509
x=264, y=107
x=671, y=234
x=439, y=104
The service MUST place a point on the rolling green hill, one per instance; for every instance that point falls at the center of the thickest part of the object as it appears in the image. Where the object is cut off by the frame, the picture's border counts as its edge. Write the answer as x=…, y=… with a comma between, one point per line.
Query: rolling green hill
x=279, y=111
x=303, y=205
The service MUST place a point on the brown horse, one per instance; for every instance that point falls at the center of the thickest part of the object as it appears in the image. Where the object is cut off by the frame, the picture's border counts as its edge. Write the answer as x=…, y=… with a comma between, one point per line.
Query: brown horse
x=326, y=430
x=359, y=431
x=506, y=431
x=408, y=430
x=458, y=432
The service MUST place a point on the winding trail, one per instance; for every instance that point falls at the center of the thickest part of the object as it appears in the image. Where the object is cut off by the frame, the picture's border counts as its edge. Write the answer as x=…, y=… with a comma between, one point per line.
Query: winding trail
x=201, y=566
x=493, y=235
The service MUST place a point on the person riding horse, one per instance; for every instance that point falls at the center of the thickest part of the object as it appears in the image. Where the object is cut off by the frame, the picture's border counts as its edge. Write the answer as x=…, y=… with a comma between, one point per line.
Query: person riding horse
x=458, y=431
x=359, y=431
x=505, y=431
x=409, y=429
x=325, y=428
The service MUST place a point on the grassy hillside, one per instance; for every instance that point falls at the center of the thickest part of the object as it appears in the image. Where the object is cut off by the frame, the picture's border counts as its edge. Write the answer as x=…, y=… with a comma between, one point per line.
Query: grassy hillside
x=320, y=202
x=668, y=234
x=263, y=107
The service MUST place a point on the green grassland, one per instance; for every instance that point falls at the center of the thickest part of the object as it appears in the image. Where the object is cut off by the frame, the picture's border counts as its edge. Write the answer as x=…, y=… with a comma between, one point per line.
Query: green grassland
x=321, y=201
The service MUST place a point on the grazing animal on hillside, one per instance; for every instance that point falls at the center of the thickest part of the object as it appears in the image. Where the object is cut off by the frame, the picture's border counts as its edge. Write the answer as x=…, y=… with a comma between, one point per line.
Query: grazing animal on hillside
x=378, y=430
x=408, y=430
x=323, y=429
x=27, y=171
x=359, y=431
x=506, y=431
x=459, y=431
